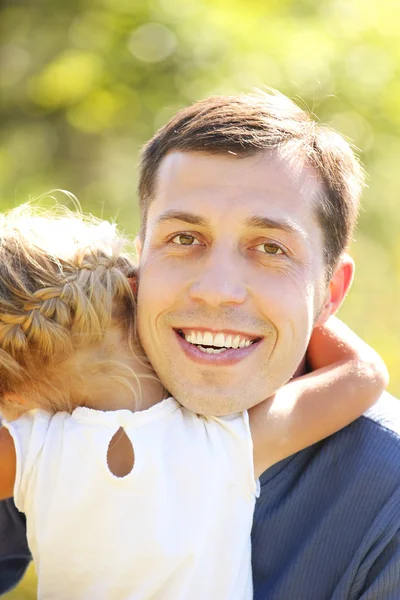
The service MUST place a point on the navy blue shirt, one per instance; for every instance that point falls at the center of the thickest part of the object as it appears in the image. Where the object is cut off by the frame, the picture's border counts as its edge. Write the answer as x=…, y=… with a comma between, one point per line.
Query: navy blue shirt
x=327, y=523
x=14, y=552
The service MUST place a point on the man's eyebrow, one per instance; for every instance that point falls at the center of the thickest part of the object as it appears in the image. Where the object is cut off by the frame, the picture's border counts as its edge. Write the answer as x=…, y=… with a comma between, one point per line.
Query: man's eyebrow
x=179, y=215
x=258, y=222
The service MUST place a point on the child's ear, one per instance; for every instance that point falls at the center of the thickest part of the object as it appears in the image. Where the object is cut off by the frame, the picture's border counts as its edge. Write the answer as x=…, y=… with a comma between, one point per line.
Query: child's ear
x=338, y=287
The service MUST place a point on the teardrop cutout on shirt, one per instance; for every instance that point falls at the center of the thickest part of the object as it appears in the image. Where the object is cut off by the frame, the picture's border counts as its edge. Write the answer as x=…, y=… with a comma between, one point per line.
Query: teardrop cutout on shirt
x=120, y=454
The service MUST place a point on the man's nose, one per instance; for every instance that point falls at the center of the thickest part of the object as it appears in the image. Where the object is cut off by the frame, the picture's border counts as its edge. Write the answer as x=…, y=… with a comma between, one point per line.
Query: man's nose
x=220, y=280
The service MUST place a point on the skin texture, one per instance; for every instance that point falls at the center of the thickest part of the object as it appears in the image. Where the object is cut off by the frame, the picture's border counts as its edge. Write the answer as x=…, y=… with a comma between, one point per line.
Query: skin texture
x=247, y=257
x=8, y=462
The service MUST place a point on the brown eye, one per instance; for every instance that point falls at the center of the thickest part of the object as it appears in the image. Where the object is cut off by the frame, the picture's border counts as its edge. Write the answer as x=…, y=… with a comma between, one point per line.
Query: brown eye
x=270, y=248
x=185, y=239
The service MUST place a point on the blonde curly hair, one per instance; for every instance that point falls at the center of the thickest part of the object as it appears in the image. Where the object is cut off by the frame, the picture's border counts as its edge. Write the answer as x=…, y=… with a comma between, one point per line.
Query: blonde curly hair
x=63, y=284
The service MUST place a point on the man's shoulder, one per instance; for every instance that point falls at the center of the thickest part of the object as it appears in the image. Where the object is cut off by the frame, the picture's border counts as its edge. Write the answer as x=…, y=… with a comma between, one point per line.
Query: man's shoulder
x=384, y=418
x=379, y=430
x=365, y=452
x=346, y=489
x=372, y=442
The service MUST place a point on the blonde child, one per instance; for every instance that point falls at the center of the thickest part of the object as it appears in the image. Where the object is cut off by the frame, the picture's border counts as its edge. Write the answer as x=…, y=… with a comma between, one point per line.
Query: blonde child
x=98, y=456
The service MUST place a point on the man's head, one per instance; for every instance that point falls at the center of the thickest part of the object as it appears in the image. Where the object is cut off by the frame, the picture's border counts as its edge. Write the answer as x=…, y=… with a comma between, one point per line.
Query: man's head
x=247, y=208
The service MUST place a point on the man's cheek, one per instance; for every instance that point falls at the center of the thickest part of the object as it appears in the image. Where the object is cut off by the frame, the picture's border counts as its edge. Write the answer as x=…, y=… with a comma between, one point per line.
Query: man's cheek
x=291, y=312
x=283, y=299
x=157, y=295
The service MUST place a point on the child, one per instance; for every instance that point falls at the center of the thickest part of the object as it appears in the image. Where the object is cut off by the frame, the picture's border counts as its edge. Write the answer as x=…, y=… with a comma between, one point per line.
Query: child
x=128, y=494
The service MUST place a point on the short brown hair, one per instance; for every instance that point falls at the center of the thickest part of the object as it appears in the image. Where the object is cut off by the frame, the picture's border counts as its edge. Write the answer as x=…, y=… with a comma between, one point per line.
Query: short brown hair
x=247, y=124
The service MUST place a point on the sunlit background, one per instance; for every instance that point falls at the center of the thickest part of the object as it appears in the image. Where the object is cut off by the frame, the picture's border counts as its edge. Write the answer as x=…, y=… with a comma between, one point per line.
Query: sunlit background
x=84, y=83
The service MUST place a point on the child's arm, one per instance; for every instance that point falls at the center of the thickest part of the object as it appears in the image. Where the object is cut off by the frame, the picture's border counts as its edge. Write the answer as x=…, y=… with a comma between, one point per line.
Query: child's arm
x=7, y=464
x=348, y=377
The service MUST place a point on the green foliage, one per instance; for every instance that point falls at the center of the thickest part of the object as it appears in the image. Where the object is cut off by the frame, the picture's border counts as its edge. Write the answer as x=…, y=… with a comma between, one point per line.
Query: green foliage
x=84, y=83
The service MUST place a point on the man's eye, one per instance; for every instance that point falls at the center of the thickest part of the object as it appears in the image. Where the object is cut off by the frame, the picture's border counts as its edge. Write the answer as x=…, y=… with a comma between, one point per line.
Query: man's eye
x=185, y=239
x=269, y=248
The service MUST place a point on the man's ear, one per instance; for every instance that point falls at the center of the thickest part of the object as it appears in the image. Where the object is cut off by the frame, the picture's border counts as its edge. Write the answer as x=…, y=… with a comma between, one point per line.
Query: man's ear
x=133, y=284
x=138, y=247
x=338, y=287
x=133, y=281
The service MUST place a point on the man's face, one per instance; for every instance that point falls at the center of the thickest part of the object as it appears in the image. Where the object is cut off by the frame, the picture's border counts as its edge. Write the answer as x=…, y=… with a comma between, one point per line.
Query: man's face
x=231, y=277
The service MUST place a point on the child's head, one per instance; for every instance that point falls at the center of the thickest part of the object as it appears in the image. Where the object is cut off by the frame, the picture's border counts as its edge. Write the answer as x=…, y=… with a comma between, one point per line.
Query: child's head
x=63, y=288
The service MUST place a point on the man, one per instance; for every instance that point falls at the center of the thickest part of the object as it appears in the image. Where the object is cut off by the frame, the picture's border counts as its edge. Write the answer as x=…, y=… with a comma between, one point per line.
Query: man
x=247, y=208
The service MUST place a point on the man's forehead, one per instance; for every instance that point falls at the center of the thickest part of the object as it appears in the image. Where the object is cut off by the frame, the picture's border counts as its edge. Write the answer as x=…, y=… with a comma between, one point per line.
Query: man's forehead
x=265, y=180
x=265, y=169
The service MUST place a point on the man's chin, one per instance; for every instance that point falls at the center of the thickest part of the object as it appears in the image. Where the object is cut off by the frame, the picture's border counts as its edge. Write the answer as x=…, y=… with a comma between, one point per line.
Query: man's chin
x=214, y=405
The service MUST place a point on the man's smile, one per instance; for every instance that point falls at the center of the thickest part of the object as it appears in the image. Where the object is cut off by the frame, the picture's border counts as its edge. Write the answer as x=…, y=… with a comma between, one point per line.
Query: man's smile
x=216, y=347
x=218, y=341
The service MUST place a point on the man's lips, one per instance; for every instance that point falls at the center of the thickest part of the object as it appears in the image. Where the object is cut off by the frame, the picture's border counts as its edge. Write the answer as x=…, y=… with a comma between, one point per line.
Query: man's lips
x=216, y=347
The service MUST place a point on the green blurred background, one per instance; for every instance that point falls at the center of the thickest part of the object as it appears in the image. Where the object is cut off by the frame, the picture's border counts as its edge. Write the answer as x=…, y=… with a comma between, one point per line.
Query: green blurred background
x=84, y=83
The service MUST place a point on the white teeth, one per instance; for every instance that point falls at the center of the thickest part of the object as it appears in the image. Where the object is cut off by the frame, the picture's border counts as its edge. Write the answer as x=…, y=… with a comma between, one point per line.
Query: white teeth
x=211, y=350
x=235, y=341
x=220, y=341
x=207, y=339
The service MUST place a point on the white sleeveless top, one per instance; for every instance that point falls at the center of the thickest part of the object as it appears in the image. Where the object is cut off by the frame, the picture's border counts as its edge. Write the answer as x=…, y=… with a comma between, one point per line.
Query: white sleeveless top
x=177, y=527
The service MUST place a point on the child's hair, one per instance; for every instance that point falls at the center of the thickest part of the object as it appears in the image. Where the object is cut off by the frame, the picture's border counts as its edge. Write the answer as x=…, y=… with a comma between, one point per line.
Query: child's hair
x=63, y=284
